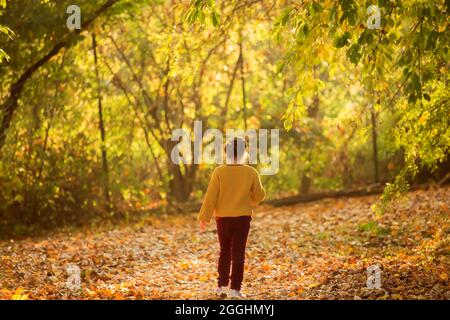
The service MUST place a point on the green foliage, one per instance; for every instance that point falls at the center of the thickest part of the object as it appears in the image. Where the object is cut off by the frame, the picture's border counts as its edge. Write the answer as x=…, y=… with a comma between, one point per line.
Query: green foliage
x=372, y=227
x=343, y=40
x=423, y=132
x=199, y=10
x=313, y=68
x=410, y=49
x=395, y=189
x=4, y=31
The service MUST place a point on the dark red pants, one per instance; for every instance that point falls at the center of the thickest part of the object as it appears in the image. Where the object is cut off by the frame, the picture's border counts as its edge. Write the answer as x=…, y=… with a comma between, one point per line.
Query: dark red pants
x=233, y=233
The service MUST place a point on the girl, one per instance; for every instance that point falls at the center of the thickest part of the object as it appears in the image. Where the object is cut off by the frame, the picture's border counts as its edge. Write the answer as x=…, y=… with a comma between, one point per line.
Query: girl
x=234, y=189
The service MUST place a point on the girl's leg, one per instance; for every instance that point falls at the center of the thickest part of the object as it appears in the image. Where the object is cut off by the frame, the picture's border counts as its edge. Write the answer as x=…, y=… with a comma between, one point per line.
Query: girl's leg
x=238, y=244
x=224, y=233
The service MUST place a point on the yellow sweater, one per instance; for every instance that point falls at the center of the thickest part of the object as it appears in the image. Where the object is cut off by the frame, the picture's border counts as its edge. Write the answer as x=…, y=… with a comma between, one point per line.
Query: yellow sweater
x=232, y=192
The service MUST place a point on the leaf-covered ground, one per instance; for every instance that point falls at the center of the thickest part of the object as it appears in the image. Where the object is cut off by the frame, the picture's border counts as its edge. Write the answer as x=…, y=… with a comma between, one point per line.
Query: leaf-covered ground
x=319, y=250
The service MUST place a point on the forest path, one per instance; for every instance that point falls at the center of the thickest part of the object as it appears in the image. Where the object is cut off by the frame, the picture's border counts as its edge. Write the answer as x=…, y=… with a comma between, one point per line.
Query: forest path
x=316, y=250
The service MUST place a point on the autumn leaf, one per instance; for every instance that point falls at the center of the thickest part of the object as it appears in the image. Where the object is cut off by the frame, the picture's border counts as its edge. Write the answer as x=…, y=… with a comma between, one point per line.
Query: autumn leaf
x=287, y=251
x=19, y=294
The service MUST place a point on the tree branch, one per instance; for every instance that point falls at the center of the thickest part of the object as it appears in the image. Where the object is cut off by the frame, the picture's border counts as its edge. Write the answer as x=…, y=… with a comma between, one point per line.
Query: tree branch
x=10, y=105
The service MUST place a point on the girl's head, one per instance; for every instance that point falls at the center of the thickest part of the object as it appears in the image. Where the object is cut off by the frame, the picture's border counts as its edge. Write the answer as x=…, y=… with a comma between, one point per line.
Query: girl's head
x=235, y=150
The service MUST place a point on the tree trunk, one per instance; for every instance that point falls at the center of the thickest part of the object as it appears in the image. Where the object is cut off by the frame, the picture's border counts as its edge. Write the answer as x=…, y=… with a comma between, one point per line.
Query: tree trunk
x=244, y=97
x=180, y=184
x=230, y=89
x=105, y=175
x=313, y=110
x=8, y=108
x=365, y=191
x=374, y=144
x=305, y=184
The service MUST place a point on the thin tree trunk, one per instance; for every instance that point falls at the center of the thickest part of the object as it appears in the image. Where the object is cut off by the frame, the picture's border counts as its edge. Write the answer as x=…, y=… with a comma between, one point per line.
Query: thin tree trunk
x=374, y=144
x=244, y=97
x=230, y=89
x=47, y=132
x=105, y=176
x=119, y=84
x=8, y=108
x=49, y=125
x=306, y=181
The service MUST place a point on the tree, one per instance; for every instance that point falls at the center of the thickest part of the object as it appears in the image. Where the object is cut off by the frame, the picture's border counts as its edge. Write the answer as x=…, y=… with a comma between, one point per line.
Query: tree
x=10, y=103
x=406, y=57
x=4, y=30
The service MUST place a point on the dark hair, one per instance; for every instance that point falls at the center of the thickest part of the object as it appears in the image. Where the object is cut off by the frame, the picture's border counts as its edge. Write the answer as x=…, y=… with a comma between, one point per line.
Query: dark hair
x=238, y=145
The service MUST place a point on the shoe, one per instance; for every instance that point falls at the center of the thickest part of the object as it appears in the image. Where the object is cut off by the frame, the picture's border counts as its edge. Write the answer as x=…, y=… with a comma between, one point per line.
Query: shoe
x=222, y=292
x=236, y=294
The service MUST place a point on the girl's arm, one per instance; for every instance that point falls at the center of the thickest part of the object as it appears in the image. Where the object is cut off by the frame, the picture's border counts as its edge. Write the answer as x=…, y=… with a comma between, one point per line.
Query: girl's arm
x=209, y=203
x=258, y=193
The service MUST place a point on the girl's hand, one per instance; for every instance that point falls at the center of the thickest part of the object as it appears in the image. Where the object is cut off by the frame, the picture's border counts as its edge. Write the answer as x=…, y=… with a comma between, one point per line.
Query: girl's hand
x=203, y=225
